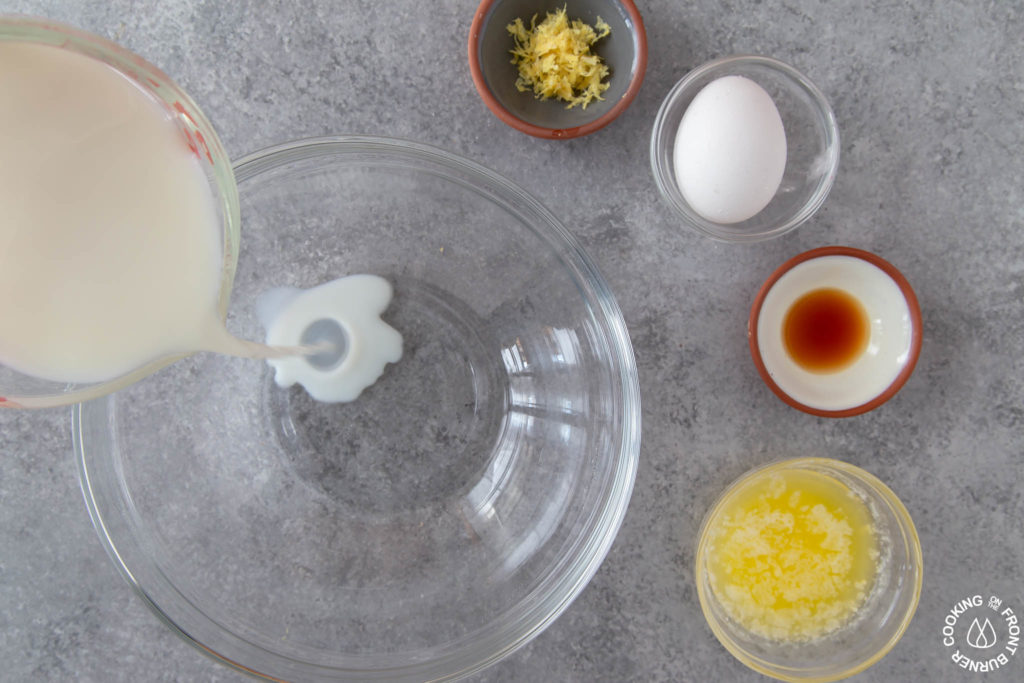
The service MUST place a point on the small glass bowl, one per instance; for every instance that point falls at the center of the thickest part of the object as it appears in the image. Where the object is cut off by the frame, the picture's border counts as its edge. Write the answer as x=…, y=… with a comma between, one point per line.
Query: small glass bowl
x=18, y=390
x=812, y=139
x=878, y=624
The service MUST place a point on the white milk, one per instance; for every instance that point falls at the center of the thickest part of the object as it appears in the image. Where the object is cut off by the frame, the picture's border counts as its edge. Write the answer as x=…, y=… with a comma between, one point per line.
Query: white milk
x=110, y=246
x=341, y=318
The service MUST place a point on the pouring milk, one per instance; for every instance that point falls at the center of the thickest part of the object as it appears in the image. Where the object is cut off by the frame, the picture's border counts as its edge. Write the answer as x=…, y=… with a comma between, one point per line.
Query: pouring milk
x=110, y=253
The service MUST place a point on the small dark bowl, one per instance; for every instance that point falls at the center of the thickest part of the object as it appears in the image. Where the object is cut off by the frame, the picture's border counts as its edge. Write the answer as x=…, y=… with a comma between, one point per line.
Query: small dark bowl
x=490, y=63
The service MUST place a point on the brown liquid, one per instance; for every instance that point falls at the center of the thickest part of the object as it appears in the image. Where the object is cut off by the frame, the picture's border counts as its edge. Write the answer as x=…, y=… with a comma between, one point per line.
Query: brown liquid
x=825, y=330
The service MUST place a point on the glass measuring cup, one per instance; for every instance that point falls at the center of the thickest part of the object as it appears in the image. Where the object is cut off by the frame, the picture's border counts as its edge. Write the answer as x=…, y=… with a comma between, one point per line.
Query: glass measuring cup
x=18, y=390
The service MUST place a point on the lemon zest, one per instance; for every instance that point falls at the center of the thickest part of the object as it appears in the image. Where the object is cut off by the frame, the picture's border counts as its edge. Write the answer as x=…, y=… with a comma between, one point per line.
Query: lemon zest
x=555, y=61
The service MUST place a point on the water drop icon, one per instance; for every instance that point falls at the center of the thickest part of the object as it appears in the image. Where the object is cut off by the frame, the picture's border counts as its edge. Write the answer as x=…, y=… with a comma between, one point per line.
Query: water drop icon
x=981, y=636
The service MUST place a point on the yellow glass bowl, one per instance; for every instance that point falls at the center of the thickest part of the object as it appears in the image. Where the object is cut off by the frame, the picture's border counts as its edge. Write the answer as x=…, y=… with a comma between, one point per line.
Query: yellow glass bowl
x=878, y=624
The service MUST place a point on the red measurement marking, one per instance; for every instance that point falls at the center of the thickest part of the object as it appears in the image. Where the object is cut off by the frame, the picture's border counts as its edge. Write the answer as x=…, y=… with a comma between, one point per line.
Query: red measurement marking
x=206, y=147
x=195, y=138
x=190, y=142
x=180, y=108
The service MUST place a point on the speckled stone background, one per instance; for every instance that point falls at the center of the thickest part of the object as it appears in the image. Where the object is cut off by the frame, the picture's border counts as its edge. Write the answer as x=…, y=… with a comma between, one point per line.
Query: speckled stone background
x=930, y=102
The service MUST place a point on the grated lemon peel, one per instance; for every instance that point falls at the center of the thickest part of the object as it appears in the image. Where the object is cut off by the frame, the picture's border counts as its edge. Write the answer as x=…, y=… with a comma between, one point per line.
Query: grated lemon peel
x=554, y=58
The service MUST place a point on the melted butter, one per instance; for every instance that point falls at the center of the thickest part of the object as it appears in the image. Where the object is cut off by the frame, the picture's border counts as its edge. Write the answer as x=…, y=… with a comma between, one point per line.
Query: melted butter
x=792, y=556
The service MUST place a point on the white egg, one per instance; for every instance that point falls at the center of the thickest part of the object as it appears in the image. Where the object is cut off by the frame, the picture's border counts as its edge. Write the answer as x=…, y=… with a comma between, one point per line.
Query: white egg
x=730, y=150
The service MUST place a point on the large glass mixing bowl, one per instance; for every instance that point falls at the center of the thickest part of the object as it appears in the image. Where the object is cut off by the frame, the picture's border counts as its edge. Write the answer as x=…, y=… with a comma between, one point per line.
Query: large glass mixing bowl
x=439, y=521
x=18, y=390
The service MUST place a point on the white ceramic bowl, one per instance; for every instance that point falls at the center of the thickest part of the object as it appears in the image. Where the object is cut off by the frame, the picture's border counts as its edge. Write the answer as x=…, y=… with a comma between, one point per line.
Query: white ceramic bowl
x=893, y=345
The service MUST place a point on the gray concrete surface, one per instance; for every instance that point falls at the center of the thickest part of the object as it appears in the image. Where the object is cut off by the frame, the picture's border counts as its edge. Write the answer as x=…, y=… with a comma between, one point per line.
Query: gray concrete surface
x=930, y=102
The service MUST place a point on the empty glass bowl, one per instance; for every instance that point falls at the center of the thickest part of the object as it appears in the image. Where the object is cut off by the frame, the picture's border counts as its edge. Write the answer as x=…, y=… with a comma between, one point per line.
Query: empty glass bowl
x=18, y=390
x=812, y=140
x=442, y=519
x=876, y=626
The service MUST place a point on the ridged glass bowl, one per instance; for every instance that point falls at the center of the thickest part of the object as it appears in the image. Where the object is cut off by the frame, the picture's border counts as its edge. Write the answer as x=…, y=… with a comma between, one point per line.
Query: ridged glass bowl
x=439, y=521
